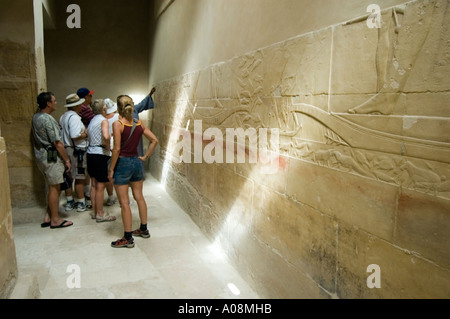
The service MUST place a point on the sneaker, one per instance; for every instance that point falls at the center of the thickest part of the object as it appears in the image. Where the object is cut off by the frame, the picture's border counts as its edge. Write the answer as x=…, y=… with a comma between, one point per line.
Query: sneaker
x=70, y=205
x=120, y=243
x=111, y=201
x=81, y=207
x=88, y=203
x=105, y=218
x=140, y=233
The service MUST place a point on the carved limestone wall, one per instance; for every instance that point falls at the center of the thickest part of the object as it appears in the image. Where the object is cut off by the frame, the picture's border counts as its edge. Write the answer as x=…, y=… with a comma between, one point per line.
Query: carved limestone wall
x=361, y=172
x=8, y=263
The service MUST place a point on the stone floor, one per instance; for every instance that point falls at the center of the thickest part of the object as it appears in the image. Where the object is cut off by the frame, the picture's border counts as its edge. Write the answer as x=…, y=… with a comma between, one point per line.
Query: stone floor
x=177, y=262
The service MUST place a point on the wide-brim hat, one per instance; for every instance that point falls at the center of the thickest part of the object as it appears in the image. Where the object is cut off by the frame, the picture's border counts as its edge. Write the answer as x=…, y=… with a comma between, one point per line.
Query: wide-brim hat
x=111, y=107
x=73, y=100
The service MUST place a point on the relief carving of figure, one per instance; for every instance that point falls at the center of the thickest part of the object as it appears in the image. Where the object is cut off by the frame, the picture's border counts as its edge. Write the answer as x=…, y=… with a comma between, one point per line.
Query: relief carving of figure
x=398, y=49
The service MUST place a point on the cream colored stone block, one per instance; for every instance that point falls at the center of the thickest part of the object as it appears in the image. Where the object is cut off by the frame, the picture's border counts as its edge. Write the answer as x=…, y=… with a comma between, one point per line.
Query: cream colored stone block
x=275, y=58
x=19, y=103
x=8, y=263
x=202, y=177
x=187, y=85
x=310, y=129
x=417, y=127
x=272, y=174
x=423, y=226
x=428, y=104
x=16, y=59
x=221, y=80
x=162, y=96
x=307, y=69
x=181, y=88
x=393, y=102
x=186, y=196
x=367, y=204
x=203, y=85
x=247, y=78
x=421, y=46
x=401, y=271
x=271, y=275
x=276, y=113
x=381, y=123
x=320, y=101
x=354, y=54
x=22, y=181
x=20, y=156
x=5, y=199
x=304, y=237
x=232, y=193
x=406, y=56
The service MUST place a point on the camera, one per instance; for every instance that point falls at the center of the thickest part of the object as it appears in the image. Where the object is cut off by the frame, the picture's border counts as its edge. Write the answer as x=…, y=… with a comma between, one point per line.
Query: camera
x=52, y=155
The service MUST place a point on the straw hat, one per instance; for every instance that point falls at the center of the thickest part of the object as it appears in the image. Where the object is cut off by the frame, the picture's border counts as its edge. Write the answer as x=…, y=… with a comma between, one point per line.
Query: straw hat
x=73, y=100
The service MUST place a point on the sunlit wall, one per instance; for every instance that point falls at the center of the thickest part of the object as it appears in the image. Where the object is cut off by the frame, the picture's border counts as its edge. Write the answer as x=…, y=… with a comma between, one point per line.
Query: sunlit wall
x=344, y=203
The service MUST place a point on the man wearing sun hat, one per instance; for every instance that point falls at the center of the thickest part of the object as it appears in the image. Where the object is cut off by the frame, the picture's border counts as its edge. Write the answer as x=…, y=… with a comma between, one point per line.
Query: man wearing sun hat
x=74, y=135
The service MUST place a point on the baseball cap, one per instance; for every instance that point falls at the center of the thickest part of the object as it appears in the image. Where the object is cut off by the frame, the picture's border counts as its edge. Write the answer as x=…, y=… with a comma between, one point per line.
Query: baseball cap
x=83, y=92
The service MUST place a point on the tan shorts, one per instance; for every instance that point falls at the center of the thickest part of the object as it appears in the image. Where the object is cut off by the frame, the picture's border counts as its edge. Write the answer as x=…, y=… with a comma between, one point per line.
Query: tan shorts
x=53, y=172
x=79, y=170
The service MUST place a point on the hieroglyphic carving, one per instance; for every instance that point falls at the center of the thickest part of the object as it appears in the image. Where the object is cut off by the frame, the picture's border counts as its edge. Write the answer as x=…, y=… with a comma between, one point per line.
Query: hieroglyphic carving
x=248, y=84
x=401, y=40
x=420, y=175
x=338, y=142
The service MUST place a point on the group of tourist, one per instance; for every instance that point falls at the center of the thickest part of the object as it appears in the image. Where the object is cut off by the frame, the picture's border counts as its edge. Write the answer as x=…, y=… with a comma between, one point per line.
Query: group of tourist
x=96, y=146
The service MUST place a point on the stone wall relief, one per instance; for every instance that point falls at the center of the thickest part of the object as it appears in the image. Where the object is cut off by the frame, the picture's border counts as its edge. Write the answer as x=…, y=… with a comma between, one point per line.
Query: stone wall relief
x=336, y=140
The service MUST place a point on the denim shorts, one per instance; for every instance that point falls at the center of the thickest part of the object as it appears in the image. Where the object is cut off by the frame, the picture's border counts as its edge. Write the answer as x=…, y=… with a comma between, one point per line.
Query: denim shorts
x=128, y=169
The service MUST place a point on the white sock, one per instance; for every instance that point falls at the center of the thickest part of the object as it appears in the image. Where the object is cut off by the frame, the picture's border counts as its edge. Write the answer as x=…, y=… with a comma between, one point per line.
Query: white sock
x=87, y=190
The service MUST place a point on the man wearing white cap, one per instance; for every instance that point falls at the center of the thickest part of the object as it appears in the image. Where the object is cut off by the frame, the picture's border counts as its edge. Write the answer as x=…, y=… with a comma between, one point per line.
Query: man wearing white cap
x=111, y=116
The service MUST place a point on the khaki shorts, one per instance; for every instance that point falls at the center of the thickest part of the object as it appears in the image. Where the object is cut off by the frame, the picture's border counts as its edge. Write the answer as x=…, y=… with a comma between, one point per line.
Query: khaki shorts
x=79, y=170
x=53, y=172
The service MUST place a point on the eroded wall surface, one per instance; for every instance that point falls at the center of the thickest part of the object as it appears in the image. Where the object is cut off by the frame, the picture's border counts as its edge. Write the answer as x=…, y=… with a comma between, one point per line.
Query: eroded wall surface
x=22, y=76
x=8, y=263
x=18, y=87
x=352, y=197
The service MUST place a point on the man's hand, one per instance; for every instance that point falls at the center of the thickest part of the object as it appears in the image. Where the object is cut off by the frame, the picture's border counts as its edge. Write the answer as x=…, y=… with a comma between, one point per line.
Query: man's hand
x=152, y=91
x=68, y=166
